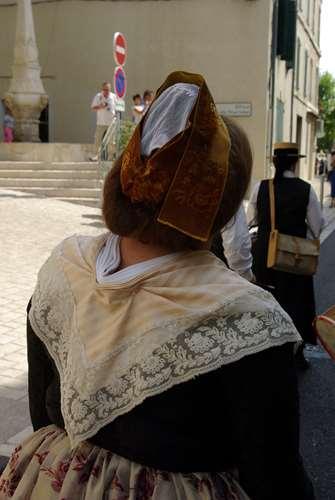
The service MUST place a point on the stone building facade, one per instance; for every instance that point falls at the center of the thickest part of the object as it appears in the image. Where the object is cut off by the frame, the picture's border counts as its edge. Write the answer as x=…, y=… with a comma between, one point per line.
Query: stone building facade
x=231, y=42
x=297, y=86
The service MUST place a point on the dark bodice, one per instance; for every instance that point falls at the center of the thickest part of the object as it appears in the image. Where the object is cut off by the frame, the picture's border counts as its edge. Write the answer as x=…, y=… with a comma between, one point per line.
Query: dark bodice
x=242, y=416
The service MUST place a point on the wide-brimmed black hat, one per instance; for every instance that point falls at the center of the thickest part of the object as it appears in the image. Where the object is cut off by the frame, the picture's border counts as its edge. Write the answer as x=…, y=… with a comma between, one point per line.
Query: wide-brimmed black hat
x=287, y=150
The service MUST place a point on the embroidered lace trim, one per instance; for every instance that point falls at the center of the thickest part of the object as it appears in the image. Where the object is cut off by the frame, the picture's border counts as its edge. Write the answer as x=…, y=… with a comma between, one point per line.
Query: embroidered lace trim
x=93, y=396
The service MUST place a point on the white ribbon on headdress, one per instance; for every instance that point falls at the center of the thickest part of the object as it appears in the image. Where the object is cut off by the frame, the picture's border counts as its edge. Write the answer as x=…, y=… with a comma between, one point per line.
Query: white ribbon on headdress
x=168, y=116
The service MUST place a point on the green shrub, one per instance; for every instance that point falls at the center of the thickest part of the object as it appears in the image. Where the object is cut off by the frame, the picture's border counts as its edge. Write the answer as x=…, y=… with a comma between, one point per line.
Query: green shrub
x=126, y=131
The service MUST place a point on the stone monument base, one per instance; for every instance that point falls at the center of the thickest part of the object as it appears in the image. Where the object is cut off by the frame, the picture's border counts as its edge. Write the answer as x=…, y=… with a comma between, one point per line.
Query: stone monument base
x=48, y=152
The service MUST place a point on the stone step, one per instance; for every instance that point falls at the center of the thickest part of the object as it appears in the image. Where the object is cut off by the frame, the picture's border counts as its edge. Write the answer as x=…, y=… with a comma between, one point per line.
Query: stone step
x=50, y=183
x=76, y=165
x=44, y=165
x=87, y=202
x=49, y=174
x=76, y=193
x=46, y=151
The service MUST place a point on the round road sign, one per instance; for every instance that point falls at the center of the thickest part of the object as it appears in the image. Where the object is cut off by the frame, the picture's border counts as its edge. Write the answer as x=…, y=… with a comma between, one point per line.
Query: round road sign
x=120, y=82
x=120, y=48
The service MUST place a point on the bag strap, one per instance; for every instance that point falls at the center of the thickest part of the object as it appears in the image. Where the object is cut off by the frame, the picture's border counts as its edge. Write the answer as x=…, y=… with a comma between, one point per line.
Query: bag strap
x=272, y=205
x=311, y=231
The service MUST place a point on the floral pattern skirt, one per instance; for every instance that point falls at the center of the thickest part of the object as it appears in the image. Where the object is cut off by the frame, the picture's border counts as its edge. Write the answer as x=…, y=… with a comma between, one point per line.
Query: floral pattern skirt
x=45, y=468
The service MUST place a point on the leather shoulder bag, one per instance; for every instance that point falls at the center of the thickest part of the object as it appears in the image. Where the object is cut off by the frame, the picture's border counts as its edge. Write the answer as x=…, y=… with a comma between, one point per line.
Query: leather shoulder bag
x=288, y=253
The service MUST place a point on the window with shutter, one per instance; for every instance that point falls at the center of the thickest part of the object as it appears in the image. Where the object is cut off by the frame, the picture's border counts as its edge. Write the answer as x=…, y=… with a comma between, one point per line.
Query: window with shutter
x=297, y=65
x=311, y=85
x=306, y=73
x=287, y=25
x=317, y=83
x=279, y=121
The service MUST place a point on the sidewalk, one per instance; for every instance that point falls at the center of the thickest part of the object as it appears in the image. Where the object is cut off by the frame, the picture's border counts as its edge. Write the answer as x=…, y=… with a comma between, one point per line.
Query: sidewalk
x=30, y=228
x=329, y=213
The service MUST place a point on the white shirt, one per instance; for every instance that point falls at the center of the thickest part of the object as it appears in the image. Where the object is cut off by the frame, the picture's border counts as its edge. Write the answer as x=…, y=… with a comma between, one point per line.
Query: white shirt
x=237, y=244
x=314, y=217
x=237, y=249
x=105, y=116
x=137, y=113
x=109, y=258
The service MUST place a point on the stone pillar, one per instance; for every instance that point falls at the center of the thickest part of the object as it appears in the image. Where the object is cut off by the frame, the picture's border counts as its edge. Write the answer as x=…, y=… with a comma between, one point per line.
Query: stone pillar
x=26, y=96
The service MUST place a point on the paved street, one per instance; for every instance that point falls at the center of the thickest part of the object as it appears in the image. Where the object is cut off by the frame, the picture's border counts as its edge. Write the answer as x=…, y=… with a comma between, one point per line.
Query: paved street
x=325, y=277
x=30, y=227
x=317, y=390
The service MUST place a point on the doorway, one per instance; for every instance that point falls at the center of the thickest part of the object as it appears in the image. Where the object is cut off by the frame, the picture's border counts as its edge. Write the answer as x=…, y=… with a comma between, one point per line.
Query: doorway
x=44, y=125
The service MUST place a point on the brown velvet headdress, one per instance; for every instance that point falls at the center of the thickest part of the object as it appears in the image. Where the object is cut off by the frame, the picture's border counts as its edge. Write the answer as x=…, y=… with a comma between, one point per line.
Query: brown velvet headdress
x=184, y=179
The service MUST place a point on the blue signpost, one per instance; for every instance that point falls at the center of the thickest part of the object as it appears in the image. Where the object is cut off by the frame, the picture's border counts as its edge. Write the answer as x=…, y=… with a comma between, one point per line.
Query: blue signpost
x=120, y=82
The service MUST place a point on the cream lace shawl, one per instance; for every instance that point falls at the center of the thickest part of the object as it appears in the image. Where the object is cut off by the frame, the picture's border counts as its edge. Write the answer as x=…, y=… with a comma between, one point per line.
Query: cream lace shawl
x=114, y=345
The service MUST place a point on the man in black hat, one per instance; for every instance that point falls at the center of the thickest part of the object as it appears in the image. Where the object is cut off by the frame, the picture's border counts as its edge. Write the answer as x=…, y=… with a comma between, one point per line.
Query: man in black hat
x=298, y=213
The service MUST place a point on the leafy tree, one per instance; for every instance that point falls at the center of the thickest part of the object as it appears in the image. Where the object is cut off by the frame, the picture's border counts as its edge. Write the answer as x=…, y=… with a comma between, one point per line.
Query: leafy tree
x=327, y=110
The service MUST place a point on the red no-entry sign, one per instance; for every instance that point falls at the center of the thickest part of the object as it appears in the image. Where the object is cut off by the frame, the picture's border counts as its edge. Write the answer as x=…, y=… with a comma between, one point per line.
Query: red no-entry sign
x=120, y=48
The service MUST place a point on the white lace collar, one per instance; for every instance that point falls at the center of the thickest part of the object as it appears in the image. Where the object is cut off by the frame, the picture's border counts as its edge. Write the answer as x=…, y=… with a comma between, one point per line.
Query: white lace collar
x=117, y=344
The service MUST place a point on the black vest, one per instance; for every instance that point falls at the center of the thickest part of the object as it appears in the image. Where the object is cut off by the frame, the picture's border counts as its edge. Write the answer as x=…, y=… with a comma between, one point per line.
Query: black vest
x=291, y=202
x=294, y=293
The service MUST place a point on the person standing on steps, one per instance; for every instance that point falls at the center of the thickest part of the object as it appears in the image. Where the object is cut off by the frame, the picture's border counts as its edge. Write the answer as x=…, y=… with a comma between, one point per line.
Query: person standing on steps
x=148, y=97
x=104, y=104
x=8, y=126
x=137, y=109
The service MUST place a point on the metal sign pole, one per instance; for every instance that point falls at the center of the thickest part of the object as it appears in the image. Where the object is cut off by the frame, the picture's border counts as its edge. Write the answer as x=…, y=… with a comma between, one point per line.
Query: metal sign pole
x=118, y=134
x=120, y=85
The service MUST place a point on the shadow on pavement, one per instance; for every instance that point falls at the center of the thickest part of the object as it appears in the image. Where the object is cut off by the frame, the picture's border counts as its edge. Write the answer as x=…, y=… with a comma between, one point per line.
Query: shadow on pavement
x=94, y=224
x=97, y=220
x=92, y=216
x=324, y=281
x=20, y=195
x=317, y=409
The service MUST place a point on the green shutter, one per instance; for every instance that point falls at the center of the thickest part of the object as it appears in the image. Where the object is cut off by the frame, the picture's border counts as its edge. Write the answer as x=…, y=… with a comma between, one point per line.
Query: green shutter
x=297, y=65
x=306, y=73
x=287, y=26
